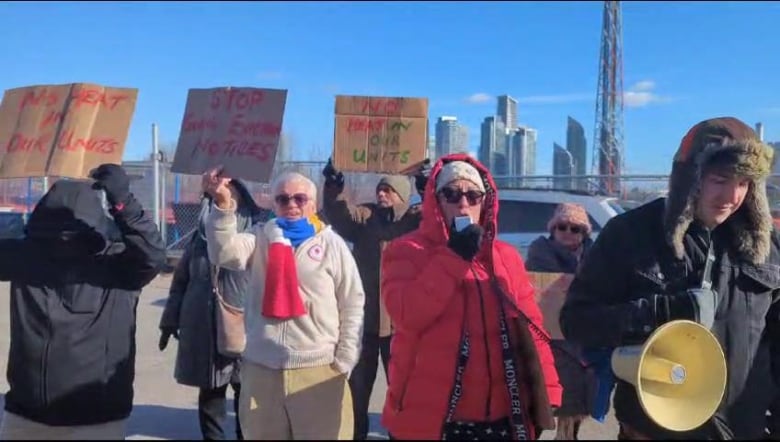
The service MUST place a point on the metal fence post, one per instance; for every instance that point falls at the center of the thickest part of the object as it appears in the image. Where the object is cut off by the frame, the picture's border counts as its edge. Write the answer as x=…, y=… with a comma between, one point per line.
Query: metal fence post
x=163, y=202
x=176, y=191
x=155, y=176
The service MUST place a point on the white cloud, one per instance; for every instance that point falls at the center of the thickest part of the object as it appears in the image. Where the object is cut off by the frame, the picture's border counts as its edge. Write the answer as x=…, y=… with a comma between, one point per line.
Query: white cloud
x=556, y=99
x=644, y=85
x=479, y=98
x=641, y=94
x=269, y=75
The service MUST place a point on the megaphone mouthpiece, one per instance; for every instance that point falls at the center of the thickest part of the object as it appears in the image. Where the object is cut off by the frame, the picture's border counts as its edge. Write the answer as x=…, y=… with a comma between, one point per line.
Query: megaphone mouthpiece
x=662, y=370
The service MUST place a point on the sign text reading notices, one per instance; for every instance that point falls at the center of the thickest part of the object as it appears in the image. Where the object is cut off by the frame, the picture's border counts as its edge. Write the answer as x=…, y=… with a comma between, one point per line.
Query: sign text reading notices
x=63, y=130
x=380, y=134
x=238, y=128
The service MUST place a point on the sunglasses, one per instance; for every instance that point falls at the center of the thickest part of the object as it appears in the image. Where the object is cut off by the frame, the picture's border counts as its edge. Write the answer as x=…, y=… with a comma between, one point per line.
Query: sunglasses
x=453, y=196
x=300, y=199
x=572, y=229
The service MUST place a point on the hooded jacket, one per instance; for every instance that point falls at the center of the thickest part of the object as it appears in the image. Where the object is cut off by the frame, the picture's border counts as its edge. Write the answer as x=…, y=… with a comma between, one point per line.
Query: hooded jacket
x=431, y=294
x=75, y=280
x=668, y=257
x=369, y=228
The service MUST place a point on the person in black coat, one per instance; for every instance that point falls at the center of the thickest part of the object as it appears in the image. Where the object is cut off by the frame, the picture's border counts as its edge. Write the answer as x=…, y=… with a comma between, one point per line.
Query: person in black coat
x=648, y=267
x=89, y=250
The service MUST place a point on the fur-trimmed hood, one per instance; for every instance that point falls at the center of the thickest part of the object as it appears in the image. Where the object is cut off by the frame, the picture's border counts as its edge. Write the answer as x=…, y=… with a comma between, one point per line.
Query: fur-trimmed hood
x=750, y=226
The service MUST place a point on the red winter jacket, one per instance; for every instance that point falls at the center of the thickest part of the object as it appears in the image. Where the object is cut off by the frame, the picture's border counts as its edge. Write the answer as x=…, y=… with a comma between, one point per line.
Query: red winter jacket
x=427, y=290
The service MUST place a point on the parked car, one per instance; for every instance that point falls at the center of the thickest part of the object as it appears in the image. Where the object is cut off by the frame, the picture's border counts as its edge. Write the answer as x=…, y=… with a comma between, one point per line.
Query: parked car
x=11, y=225
x=524, y=213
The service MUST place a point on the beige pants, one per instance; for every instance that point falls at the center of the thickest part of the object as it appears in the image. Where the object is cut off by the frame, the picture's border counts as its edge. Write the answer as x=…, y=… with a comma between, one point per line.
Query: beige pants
x=14, y=427
x=305, y=403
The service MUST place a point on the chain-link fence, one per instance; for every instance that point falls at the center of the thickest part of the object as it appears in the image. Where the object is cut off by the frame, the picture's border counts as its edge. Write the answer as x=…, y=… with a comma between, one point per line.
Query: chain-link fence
x=180, y=194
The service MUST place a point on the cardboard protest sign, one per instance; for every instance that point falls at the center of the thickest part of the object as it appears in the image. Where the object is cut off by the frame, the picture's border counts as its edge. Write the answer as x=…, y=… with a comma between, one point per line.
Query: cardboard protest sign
x=63, y=130
x=238, y=128
x=550, y=294
x=380, y=134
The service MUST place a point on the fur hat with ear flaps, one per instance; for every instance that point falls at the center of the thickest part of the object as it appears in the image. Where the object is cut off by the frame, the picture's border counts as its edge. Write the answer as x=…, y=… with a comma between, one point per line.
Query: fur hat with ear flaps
x=728, y=143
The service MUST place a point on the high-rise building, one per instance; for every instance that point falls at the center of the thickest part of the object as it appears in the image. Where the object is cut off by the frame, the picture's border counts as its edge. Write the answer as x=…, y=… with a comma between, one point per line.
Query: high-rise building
x=493, y=146
x=577, y=146
x=451, y=137
x=776, y=147
x=522, y=151
x=563, y=167
x=507, y=111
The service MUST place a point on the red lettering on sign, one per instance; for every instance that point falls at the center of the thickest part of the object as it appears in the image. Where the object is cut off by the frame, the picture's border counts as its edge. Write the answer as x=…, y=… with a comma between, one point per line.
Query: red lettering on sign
x=44, y=97
x=236, y=99
x=22, y=143
x=257, y=150
x=69, y=142
x=365, y=124
x=94, y=97
x=192, y=124
x=381, y=107
x=52, y=119
x=241, y=128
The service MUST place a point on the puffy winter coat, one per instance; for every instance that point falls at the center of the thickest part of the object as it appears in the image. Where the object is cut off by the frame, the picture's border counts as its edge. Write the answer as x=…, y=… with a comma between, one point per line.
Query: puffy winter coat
x=431, y=294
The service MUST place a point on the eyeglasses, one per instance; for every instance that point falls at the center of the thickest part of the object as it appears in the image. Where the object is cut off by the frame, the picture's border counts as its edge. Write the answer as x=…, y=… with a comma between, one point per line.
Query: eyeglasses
x=300, y=199
x=573, y=229
x=453, y=196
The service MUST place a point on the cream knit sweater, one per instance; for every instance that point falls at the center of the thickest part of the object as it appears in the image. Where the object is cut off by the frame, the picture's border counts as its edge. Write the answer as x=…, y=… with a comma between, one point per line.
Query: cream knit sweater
x=330, y=285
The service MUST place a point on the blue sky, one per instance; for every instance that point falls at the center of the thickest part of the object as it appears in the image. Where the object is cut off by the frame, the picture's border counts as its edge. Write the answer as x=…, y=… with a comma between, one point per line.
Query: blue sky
x=683, y=62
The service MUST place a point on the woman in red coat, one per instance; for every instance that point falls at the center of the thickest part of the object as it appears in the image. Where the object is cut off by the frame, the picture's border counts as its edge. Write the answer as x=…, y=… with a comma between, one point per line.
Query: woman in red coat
x=470, y=359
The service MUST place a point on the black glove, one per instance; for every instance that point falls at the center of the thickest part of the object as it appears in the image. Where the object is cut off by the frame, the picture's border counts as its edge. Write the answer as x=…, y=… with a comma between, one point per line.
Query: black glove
x=113, y=179
x=165, y=336
x=466, y=242
x=421, y=178
x=333, y=178
x=652, y=311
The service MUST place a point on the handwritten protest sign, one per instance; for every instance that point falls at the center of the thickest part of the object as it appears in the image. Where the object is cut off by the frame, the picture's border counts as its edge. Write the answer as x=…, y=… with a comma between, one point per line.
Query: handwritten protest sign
x=63, y=130
x=238, y=128
x=380, y=134
x=550, y=294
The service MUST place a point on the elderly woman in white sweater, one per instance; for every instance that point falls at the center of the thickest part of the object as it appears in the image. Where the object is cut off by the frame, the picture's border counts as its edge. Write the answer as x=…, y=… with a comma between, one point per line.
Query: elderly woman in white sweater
x=303, y=313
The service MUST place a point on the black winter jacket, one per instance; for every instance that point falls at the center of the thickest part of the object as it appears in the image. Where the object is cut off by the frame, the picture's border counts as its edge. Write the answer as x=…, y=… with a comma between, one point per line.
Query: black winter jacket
x=630, y=259
x=73, y=311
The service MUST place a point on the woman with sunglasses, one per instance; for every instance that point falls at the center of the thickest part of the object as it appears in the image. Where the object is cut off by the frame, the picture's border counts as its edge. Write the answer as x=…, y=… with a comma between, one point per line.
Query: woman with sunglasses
x=561, y=252
x=303, y=313
x=569, y=240
x=470, y=359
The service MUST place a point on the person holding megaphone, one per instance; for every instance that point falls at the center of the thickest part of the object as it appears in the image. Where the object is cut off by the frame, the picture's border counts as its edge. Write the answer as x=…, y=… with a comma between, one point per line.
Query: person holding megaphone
x=682, y=293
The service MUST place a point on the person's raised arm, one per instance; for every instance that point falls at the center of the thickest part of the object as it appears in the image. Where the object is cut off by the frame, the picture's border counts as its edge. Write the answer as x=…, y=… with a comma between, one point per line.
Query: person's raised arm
x=145, y=254
x=347, y=219
x=226, y=247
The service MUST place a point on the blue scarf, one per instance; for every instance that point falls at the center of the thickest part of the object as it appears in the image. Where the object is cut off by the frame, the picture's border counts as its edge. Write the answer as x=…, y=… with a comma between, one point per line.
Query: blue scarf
x=296, y=231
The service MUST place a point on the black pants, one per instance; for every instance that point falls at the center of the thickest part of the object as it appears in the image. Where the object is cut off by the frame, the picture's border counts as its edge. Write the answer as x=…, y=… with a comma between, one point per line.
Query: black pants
x=361, y=381
x=212, y=412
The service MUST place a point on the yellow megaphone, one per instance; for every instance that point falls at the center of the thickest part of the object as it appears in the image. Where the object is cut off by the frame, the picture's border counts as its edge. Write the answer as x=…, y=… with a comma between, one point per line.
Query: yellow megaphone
x=679, y=374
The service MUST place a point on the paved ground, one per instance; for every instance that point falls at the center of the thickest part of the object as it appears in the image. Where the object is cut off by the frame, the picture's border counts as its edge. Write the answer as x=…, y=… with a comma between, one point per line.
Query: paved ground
x=166, y=410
